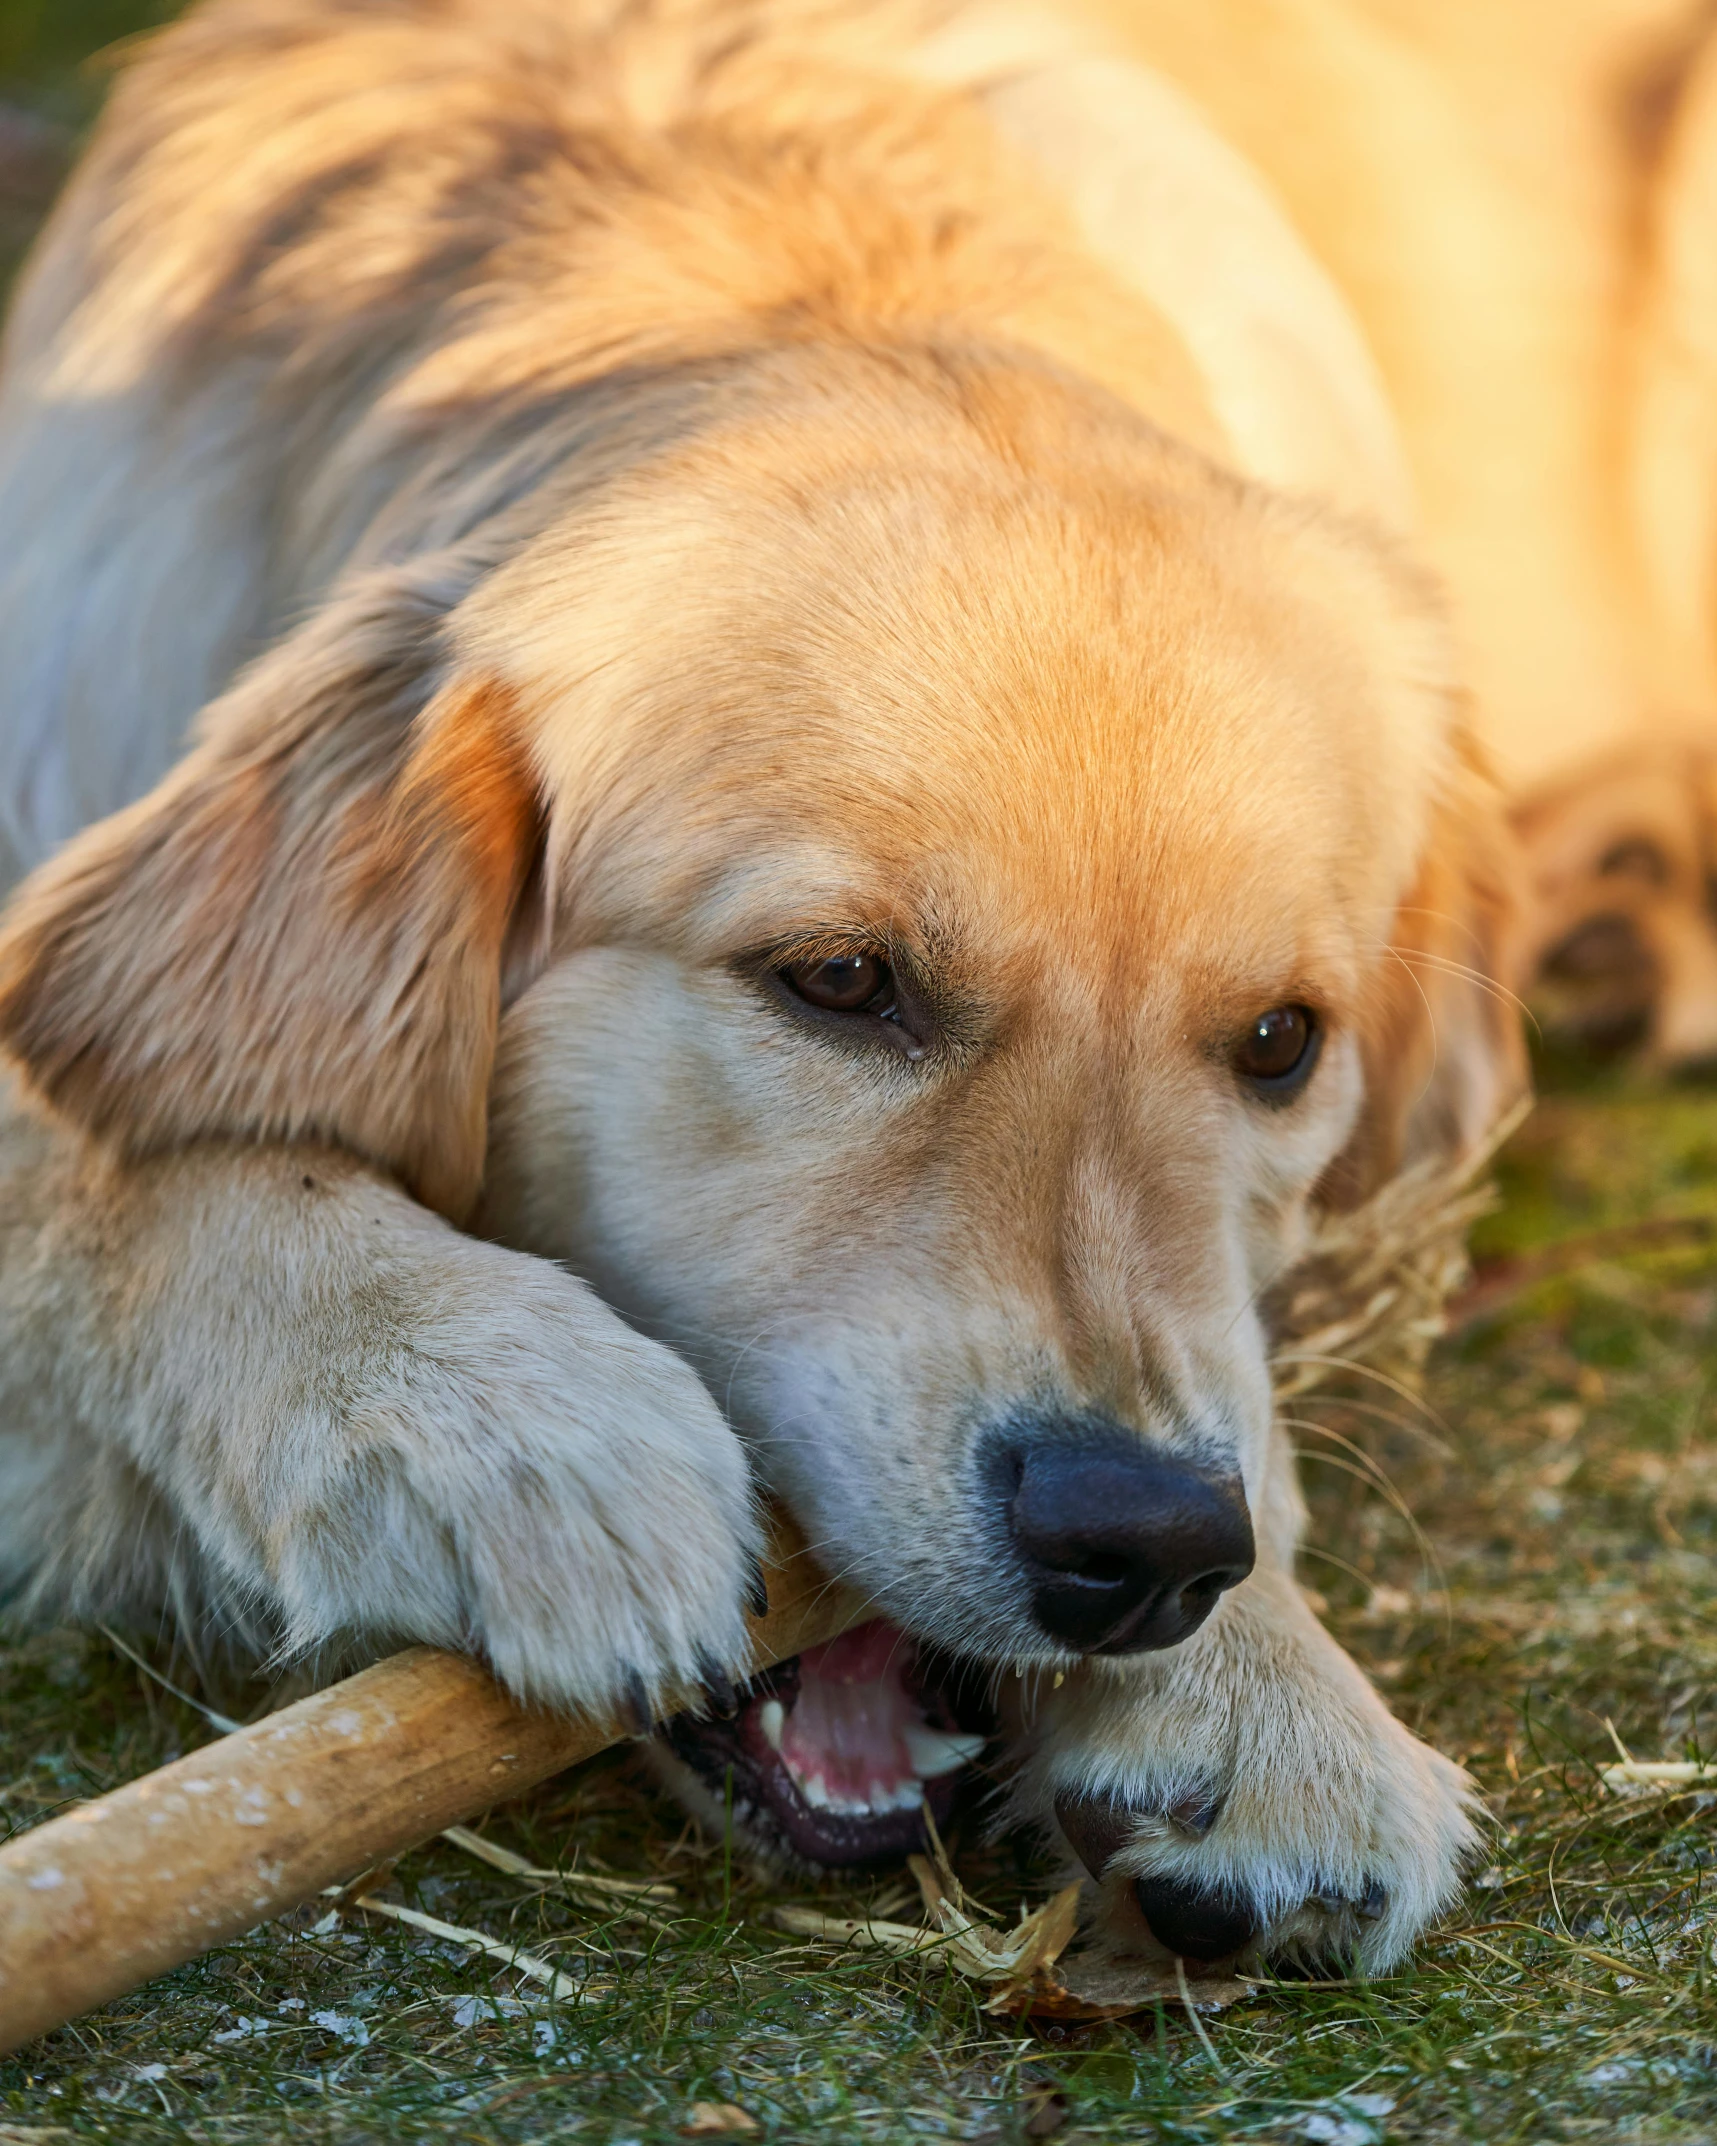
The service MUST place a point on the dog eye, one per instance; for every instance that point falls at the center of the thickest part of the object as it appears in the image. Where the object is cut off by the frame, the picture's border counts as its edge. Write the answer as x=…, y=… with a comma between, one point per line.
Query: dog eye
x=1278, y=1051
x=843, y=983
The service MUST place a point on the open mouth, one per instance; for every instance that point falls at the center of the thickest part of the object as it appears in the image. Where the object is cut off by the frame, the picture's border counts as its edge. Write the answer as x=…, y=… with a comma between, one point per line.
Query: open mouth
x=832, y=1756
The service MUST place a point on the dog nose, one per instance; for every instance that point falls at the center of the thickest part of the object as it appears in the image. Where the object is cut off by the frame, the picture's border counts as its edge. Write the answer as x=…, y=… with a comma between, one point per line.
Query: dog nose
x=1124, y=1548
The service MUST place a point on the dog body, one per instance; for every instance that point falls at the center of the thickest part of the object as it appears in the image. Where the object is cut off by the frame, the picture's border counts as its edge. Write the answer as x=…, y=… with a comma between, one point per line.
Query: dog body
x=664, y=521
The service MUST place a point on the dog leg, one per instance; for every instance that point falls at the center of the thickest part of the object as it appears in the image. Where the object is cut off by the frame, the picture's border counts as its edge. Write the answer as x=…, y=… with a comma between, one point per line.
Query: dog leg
x=265, y=1381
x=1247, y=1795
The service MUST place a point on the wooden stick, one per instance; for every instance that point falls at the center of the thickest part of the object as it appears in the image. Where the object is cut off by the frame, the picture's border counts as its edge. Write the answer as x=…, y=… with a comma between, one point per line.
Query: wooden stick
x=116, y=1891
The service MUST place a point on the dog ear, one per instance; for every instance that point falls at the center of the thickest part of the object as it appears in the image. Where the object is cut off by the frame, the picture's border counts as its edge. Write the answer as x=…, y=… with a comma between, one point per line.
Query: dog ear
x=1443, y=1040
x=300, y=934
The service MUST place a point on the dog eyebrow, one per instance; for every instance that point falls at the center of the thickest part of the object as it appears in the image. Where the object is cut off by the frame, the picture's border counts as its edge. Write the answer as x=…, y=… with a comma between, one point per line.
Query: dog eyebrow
x=921, y=937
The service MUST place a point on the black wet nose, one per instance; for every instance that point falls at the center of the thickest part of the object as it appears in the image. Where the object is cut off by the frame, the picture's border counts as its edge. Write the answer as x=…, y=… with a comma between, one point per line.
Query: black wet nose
x=1123, y=1548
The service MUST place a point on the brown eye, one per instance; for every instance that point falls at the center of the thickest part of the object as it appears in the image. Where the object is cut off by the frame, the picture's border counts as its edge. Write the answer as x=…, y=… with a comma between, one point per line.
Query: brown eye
x=1277, y=1052
x=843, y=983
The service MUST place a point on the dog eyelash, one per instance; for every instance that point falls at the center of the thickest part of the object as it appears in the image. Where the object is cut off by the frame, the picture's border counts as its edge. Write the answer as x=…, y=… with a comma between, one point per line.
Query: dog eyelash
x=852, y=994
x=852, y=984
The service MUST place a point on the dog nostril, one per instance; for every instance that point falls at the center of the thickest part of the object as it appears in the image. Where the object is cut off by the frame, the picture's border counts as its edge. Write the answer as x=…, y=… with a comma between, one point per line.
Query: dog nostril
x=1104, y=1570
x=1196, y=1923
x=1124, y=1548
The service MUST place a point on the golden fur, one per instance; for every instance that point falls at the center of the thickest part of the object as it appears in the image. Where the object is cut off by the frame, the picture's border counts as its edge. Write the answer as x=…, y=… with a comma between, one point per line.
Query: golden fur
x=632, y=498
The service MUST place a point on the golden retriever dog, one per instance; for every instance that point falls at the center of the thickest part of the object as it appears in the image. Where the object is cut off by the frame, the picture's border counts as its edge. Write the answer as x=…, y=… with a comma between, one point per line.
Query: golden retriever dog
x=744, y=734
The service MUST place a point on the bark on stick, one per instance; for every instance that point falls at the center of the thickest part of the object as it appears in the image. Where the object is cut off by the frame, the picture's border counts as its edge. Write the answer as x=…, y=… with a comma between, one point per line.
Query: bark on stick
x=97, y=1901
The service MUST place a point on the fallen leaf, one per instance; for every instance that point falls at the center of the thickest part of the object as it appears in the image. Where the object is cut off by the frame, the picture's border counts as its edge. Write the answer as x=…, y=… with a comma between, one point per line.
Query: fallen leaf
x=1111, y=1987
x=1050, y=2000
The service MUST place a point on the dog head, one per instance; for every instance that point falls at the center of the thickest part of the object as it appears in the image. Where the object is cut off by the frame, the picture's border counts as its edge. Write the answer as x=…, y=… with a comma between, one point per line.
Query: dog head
x=915, y=889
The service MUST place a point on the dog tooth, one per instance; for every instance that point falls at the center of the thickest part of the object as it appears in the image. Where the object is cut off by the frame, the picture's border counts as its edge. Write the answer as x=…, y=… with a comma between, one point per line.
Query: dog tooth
x=815, y=1792
x=939, y=1751
x=772, y=1720
x=881, y=1800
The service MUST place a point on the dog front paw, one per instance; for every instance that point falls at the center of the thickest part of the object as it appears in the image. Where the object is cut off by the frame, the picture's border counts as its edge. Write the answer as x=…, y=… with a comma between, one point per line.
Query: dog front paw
x=605, y=1528
x=1249, y=1798
x=473, y=1450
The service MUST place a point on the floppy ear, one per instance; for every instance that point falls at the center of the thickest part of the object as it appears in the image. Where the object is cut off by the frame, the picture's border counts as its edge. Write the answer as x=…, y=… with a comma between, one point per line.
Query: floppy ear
x=1443, y=1040
x=300, y=933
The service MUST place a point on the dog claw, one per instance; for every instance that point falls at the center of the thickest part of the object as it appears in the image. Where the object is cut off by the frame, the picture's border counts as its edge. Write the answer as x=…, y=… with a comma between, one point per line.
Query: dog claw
x=634, y=1706
x=757, y=1593
x=1369, y=1905
x=718, y=1688
x=1196, y=1924
x=1094, y=1829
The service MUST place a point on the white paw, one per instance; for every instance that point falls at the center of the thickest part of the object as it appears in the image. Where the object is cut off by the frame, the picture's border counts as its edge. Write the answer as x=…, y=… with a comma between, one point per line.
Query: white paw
x=489, y=1458
x=1248, y=1797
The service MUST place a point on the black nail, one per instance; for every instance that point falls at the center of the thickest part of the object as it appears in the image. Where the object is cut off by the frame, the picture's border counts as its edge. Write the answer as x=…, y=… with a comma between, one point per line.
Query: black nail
x=635, y=1709
x=718, y=1688
x=757, y=1596
x=1095, y=1828
x=1197, y=1924
x=1373, y=1903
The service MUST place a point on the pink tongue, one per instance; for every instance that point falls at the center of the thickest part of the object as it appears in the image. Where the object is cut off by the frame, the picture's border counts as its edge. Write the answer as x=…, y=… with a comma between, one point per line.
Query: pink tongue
x=866, y=1655
x=846, y=1726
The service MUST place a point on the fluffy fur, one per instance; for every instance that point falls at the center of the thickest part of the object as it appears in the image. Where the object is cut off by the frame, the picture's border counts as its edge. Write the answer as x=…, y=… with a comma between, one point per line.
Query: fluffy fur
x=629, y=498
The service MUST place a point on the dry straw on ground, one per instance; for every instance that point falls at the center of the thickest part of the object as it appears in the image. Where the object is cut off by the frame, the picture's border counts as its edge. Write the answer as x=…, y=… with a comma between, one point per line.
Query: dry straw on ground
x=1372, y=1288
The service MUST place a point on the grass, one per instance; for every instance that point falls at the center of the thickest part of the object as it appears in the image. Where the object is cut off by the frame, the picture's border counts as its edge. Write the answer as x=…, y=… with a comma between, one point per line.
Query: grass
x=1563, y=1472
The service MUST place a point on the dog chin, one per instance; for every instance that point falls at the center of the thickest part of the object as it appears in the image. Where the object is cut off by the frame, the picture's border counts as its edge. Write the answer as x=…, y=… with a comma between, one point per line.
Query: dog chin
x=833, y=1758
